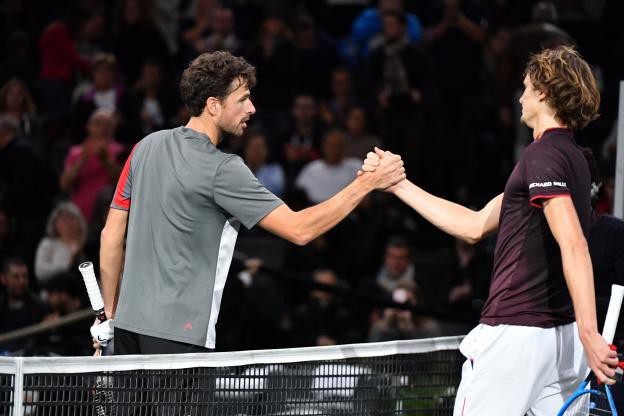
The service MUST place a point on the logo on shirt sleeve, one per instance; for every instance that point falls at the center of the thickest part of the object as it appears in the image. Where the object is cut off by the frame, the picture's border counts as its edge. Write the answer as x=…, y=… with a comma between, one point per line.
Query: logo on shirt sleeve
x=547, y=184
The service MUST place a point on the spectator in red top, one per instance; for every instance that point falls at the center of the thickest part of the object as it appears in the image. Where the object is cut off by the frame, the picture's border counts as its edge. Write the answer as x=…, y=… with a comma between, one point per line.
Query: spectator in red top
x=59, y=60
x=91, y=166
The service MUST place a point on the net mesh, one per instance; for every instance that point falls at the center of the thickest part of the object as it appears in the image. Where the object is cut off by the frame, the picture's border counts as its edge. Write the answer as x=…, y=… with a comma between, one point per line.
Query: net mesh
x=6, y=393
x=405, y=384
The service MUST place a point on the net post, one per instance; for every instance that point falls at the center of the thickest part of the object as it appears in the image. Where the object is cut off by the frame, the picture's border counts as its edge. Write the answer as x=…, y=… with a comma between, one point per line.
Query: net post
x=618, y=203
x=18, y=388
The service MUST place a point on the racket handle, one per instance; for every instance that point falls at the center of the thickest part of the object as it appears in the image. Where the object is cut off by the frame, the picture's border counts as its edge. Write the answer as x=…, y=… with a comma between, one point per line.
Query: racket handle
x=613, y=313
x=95, y=297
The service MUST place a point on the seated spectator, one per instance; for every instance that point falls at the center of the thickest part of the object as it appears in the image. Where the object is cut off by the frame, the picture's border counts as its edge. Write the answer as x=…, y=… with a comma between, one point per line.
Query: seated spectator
x=147, y=107
x=62, y=247
x=27, y=187
x=314, y=57
x=223, y=36
x=334, y=110
x=93, y=164
x=92, y=38
x=397, y=324
x=66, y=295
x=472, y=268
x=401, y=82
x=103, y=92
x=136, y=38
x=323, y=178
x=17, y=102
x=19, y=307
x=251, y=311
x=324, y=319
x=271, y=55
x=256, y=155
x=302, y=142
x=59, y=61
x=398, y=269
x=368, y=25
x=360, y=140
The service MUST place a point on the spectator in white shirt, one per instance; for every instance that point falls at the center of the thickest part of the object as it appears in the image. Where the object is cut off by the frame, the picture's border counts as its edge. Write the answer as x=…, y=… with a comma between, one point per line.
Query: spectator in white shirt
x=62, y=247
x=323, y=178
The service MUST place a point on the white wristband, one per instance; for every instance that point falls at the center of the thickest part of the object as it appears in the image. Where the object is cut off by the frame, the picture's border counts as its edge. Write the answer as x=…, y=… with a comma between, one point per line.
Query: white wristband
x=103, y=332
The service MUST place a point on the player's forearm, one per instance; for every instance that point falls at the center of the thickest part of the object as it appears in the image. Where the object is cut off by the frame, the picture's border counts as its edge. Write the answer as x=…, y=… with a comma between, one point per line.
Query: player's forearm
x=317, y=220
x=578, y=273
x=452, y=218
x=111, y=256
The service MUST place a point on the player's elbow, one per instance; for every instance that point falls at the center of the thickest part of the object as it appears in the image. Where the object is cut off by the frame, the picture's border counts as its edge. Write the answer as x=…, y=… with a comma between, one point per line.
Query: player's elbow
x=301, y=237
x=110, y=236
x=472, y=238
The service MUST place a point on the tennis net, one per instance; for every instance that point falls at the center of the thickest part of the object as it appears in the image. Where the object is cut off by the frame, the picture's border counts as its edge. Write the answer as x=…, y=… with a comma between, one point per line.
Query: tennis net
x=416, y=377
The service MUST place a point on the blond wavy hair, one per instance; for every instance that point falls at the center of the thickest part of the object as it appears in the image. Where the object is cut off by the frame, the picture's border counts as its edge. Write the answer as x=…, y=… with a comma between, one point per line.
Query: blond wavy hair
x=568, y=83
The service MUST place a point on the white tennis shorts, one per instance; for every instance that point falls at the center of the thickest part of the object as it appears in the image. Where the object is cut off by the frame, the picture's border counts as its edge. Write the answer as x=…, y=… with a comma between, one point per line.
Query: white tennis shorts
x=516, y=370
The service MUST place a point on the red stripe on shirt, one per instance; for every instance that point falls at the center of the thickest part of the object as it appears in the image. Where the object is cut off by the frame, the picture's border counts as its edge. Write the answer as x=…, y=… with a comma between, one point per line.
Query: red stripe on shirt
x=119, y=199
x=545, y=197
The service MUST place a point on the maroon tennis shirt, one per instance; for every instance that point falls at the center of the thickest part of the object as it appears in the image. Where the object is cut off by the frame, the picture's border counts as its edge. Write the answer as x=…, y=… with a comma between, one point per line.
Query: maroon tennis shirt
x=528, y=287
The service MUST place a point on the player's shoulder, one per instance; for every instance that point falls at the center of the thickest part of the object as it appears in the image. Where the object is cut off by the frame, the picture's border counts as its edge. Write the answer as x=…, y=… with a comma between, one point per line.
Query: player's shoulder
x=540, y=149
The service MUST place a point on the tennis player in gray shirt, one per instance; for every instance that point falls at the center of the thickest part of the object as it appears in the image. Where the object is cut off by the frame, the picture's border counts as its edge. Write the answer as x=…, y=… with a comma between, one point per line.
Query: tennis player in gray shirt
x=179, y=203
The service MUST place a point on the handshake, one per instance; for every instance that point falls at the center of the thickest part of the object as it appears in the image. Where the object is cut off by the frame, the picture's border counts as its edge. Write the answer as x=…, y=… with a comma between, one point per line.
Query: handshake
x=383, y=168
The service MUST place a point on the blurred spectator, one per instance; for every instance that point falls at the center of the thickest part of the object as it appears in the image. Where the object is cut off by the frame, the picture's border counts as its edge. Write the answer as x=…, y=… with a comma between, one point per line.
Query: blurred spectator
x=302, y=143
x=271, y=54
x=19, y=60
x=62, y=247
x=59, y=60
x=194, y=26
x=93, y=164
x=256, y=156
x=359, y=140
x=222, y=36
x=398, y=269
x=454, y=35
x=323, y=178
x=334, y=110
x=323, y=319
x=65, y=295
x=471, y=277
x=91, y=39
x=27, y=186
x=542, y=32
x=19, y=307
x=17, y=102
x=368, y=25
x=103, y=92
x=251, y=310
x=401, y=78
x=397, y=324
x=148, y=106
x=201, y=21
x=137, y=38
x=314, y=57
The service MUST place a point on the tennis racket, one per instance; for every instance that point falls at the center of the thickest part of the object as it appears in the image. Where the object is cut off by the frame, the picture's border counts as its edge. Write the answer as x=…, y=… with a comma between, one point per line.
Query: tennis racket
x=102, y=332
x=593, y=398
x=102, y=390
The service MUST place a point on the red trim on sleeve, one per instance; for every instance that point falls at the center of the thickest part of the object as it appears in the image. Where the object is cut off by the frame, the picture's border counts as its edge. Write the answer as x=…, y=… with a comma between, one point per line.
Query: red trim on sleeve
x=545, y=197
x=119, y=199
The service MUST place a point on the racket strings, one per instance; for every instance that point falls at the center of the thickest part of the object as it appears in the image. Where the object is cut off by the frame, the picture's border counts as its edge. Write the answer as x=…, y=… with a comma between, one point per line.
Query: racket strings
x=591, y=404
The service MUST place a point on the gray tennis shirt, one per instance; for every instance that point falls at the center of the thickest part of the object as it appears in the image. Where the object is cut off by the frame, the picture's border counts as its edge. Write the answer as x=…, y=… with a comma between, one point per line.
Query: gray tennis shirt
x=188, y=199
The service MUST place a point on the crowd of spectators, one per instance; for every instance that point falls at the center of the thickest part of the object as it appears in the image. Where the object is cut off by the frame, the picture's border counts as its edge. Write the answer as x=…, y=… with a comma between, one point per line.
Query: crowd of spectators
x=437, y=81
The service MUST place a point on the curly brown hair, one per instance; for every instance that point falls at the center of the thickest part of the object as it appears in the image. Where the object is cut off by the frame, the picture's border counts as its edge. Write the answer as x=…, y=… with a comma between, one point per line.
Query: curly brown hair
x=211, y=75
x=568, y=83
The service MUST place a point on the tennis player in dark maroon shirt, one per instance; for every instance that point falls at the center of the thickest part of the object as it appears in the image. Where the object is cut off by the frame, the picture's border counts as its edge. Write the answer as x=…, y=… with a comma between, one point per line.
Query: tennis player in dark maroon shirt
x=538, y=332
